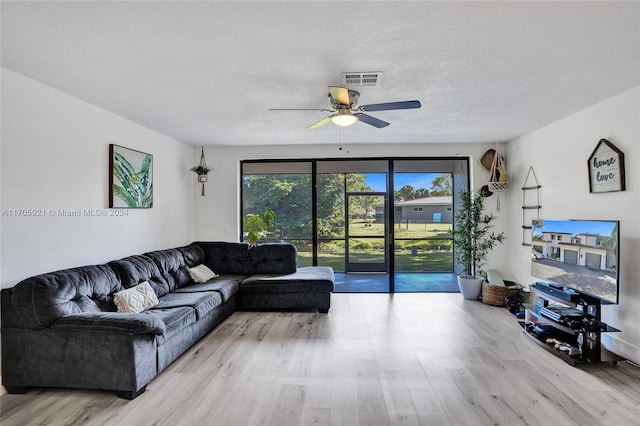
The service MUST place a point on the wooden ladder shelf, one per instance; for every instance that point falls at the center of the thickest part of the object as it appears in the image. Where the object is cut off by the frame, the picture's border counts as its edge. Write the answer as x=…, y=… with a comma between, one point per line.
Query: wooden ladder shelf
x=529, y=205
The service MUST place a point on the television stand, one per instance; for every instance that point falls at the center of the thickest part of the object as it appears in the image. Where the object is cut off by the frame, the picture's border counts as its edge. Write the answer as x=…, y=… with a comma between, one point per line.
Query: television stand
x=558, y=292
x=574, y=339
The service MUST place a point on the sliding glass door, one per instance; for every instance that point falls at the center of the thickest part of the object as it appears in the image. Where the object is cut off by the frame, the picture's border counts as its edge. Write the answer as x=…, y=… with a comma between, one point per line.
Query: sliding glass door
x=383, y=225
x=422, y=221
x=352, y=223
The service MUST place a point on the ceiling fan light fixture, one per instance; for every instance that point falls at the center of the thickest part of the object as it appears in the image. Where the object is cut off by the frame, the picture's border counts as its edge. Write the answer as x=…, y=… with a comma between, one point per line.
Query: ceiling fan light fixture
x=344, y=119
x=345, y=113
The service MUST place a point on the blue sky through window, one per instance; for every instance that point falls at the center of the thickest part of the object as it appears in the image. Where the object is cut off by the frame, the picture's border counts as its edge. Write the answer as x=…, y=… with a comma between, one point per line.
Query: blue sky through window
x=378, y=181
x=575, y=227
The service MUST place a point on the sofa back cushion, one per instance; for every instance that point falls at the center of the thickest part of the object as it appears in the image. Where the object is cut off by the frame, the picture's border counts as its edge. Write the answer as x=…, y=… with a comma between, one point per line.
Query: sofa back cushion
x=274, y=259
x=42, y=299
x=193, y=255
x=133, y=270
x=172, y=266
x=227, y=258
x=239, y=259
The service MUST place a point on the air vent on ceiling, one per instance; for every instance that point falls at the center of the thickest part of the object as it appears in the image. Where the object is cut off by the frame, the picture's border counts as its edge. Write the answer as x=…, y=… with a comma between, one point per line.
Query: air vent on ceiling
x=361, y=79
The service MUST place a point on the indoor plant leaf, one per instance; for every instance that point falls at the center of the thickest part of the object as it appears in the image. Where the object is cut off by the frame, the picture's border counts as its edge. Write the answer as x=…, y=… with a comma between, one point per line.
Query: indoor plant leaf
x=472, y=235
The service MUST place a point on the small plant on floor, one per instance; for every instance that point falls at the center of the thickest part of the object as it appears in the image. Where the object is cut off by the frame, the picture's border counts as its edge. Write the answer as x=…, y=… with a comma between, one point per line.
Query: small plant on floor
x=257, y=226
x=472, y=235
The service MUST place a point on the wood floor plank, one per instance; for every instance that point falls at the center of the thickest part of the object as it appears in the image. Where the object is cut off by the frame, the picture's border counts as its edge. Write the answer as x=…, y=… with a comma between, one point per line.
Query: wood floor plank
x=375, y=359
x=428, y=408
x=372, y=407
x=289, y=406
x=316, y=416
x=398, y=399
x=344, y=402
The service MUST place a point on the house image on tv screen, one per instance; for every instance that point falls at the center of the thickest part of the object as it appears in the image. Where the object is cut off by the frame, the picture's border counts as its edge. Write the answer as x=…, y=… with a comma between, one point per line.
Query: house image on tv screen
x=581, y=249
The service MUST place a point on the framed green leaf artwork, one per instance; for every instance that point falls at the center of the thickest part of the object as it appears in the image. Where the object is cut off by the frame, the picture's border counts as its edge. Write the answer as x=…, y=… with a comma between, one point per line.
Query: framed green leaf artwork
x=130, y=178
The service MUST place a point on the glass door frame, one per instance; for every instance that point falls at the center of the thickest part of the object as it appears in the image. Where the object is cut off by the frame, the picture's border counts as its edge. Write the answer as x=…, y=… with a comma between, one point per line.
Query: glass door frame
x=377, y=267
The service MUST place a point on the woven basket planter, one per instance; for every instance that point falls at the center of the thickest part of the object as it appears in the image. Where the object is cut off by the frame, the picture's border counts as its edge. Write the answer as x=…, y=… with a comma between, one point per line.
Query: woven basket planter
x=495, y=294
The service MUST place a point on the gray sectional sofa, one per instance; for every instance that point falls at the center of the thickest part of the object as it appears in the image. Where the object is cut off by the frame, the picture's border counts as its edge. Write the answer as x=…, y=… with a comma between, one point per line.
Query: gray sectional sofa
x=62, y=329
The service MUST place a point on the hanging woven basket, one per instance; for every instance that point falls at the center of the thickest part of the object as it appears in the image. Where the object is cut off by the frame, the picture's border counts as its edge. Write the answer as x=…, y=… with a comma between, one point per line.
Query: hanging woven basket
x=498, y=176
x=498, y=186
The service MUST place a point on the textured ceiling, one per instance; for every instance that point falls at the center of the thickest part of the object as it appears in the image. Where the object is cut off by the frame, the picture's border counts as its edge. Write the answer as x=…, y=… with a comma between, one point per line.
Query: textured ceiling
x=206, y=73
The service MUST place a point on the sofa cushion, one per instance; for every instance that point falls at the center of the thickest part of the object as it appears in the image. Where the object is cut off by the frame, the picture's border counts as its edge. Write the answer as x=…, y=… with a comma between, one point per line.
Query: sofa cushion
x=203, y=303
x=172, y=267
x=42, y=299
x=227, y=286
x=133, y=270
x=310, y=279
x=135, y=299
x=274, y=259
x=175, y=320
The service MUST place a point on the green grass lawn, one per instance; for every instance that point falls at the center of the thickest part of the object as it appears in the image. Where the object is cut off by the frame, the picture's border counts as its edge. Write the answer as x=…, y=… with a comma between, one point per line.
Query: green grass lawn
x=423, y=261
x=430, y=255
x=402, y=230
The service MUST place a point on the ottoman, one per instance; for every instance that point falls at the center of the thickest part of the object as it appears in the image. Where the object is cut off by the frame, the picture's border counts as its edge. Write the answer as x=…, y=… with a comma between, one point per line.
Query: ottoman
x=308, y=288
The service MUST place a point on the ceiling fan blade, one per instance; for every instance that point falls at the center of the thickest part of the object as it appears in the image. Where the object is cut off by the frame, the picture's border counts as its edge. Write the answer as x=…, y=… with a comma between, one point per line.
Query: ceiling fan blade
x=375, y=122
x=391, y=105
x=339, y=95
x=300, y=109
x=320, y=123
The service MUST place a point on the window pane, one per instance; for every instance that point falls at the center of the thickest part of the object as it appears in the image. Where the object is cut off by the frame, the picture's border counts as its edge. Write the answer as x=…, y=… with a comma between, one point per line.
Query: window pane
x=331, y=218
x=423, y=256
x=331, y=253
x=422, y=219
x=287, y=195
x=366, y=250
x=422, y=229
x=305, y=252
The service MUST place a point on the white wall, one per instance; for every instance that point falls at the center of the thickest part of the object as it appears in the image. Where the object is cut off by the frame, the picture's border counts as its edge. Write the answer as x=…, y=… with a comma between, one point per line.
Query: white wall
x=558, y=154
x=217, y=214
x=54, y=155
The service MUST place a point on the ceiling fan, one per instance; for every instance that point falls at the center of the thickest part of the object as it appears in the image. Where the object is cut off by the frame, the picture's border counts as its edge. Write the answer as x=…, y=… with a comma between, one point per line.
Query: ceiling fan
x=345, y=112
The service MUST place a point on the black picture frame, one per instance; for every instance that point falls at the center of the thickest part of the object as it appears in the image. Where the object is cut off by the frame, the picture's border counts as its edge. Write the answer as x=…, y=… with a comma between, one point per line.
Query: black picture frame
x=606, y=168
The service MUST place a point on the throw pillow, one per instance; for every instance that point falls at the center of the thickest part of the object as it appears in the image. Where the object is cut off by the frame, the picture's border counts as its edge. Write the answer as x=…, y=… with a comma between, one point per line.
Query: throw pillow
x=495, y=278
x=201, y=273
x=136, y=299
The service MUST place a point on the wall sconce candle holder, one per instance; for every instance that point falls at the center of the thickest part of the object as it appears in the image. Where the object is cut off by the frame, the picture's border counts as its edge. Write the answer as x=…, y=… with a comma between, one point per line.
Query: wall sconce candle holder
x=201, y=170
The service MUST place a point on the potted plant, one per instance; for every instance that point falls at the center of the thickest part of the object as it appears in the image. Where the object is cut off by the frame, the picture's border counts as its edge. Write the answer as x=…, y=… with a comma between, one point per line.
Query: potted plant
x=257, y=225
x=473, y=240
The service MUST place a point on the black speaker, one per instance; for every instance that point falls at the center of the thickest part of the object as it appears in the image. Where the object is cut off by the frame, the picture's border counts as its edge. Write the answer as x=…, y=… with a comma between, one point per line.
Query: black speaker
x=514, y=304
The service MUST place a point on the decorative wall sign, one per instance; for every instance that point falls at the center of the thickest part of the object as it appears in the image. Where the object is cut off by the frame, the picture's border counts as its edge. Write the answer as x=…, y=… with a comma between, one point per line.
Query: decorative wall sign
x=130, y=178
x=606, y=168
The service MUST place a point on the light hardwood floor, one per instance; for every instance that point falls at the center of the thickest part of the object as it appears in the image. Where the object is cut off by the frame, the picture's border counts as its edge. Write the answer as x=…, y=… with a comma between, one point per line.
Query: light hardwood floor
x=375, y=359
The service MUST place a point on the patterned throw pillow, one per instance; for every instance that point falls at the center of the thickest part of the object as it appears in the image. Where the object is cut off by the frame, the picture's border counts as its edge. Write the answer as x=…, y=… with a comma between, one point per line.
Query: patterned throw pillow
x=201, y=273
x=136, y=299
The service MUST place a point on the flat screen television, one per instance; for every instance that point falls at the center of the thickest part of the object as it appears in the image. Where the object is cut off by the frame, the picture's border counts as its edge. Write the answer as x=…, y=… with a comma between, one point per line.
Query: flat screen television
x=580, y=254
